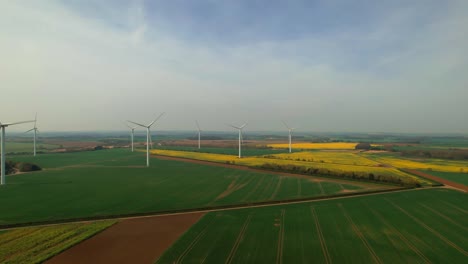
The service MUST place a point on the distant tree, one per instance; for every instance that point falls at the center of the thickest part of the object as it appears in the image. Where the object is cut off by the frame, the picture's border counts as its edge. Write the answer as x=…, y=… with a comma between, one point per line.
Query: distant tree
x=365, y=146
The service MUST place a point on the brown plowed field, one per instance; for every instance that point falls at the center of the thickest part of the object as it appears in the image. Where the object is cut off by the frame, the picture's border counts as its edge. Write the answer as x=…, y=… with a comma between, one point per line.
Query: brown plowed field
x=141, y=240
x=441, y=180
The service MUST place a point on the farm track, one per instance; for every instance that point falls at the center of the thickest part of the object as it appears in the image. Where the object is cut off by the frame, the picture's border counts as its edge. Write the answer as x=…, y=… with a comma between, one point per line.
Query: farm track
x=239, y=239
x=279, y=254
x=211, y=209
x=434, y=232
x=399, y=234
x=360, y=235
x=444, y=217
x=452, y=184
x=323, y=244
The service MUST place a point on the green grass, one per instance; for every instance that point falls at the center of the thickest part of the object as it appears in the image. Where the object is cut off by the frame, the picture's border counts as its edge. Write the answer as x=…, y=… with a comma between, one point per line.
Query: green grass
x=246, y=152
x=20, y=147
x=451, y=176
x=404, y=227
x=111, y=182
x=37, y=244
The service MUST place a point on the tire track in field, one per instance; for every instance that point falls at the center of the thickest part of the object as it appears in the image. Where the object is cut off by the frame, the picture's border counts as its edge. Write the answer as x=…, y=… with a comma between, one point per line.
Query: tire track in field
x=321, y=188
x=239, y=239
x=399, y=234
x=443, y=216
x=259, y=183
x=299, y=188
x=456, y=207
x=195, y=241
x=434, y=232
x=323, y=244
x=360, y=235
x=277, y=188
x=279, y=252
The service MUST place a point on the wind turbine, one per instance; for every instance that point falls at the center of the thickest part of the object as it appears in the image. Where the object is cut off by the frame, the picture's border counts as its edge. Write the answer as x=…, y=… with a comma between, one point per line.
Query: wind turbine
x=240, y=136
x=132, y=133
x=290, y=133
x=35, y=133
x=148, y=127
x=3, y=126
x=199, y=133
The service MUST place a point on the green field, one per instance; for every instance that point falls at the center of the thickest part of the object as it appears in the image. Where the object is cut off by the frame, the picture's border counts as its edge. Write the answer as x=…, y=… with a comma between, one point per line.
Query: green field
x=37, y=244
x=22, y=147
x=423, y=226
x=451, y=176
x=246, y=152
x=111, y=182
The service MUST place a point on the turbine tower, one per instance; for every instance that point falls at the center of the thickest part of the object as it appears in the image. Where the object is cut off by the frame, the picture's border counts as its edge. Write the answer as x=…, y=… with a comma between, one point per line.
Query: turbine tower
x=132, y=133
x=3, y=126
x=148, y=127
x=290, y=130
x=240, y=136
x=199, y=133
x=35, y=133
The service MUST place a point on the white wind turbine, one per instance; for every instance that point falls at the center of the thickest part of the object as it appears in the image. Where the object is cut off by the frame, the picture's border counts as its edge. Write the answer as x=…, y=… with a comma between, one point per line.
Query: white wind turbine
x=35, y=133
x=132, y=133
x=290, y=130
x=148, y=127
x=199, y=133
x=240, y=136
x=3, y=126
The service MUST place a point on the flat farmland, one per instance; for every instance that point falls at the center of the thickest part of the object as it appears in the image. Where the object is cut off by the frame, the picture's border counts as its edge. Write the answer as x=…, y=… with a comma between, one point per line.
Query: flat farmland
x=228, y=151
x=114, y=182
x=294, y=160
x=402, y=227
x=451, y=176
x=37, y=244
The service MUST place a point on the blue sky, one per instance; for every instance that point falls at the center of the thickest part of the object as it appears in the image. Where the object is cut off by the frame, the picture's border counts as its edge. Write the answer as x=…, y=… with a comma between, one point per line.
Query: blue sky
x=375, y=66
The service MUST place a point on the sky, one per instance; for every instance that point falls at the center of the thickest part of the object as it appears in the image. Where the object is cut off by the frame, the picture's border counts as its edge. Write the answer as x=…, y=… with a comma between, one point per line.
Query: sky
x=322, y=66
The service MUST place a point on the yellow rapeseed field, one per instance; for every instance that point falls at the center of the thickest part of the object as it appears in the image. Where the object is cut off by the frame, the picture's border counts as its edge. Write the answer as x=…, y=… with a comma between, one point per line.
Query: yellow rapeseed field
x=349, y=158
x=258, y=161
x=436, y=165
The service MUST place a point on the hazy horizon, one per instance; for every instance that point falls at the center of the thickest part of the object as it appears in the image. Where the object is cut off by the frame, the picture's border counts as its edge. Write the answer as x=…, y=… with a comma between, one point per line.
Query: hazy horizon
x=323, y=66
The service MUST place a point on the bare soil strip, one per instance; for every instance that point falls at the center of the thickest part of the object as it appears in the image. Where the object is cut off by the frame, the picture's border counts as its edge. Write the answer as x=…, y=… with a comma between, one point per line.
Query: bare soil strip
x=141, y=240
x=399, y=234
x=321, y=237
x=455, y=185
x=446, y=240
x=360, y=235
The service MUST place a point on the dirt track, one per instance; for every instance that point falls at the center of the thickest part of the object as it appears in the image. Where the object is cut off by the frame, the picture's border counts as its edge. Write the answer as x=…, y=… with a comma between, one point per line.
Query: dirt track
x=455, y=185
x=141, y=240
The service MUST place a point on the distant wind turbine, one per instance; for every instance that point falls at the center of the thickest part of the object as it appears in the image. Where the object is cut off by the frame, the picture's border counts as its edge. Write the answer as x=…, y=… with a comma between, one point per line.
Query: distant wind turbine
x=199, y=133
x=148, y=127
x=240, y=136
x=35, y=133
x=290, y=130
x=3, y=126
x=132, y=133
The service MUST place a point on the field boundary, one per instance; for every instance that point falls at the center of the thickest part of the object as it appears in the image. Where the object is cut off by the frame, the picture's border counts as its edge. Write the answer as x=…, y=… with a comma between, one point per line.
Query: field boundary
x=277, y=172
x=440, y=181
x=207, y=208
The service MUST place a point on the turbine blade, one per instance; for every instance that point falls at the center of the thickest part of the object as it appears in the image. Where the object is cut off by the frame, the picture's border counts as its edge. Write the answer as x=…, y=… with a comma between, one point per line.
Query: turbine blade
x=286, y=125
x=137, y=124
x=198, y=126
x=156, y=119
x=233, y=126
x=241, y=127
x=29, y=130
x=35, y=120
x=17, y=123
